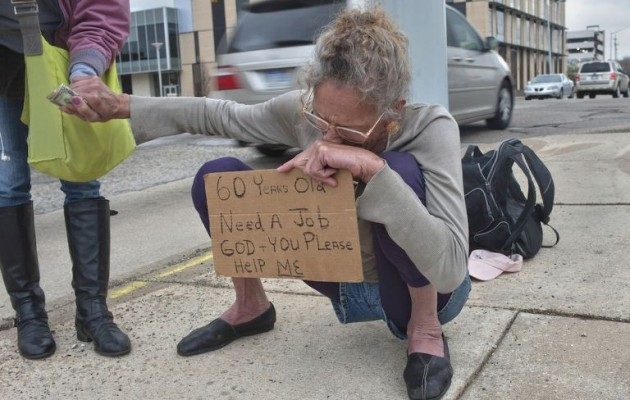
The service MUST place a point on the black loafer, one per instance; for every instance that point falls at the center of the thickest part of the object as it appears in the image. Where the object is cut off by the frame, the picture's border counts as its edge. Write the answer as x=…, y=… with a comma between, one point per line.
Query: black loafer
x=428, y=377
x=219, y=333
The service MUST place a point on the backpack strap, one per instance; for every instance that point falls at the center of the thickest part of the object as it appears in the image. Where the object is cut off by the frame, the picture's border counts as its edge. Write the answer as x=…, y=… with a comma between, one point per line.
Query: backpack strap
x=557, y=237
x=544, y=181
x=530, y=203
x=546, y=187
x=472, y=152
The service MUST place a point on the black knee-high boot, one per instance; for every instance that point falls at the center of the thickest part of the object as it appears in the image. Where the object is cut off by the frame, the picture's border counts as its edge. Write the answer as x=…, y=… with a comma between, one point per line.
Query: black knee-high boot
x=87, y=225
x=20, y=272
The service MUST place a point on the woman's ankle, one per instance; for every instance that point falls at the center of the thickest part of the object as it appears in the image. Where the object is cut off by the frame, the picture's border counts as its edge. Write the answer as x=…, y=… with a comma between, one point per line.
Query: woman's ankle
x=425, y=338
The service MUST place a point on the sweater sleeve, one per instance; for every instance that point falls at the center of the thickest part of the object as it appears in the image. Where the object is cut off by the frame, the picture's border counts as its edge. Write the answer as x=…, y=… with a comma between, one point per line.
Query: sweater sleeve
x=435, y=237
x=275, y=121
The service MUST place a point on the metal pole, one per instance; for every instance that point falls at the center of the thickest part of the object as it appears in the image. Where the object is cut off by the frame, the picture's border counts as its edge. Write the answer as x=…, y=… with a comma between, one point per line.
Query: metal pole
x=157, y=46
x=615, y=44
x=612, y=35
x=549, y=29
x=424, y=22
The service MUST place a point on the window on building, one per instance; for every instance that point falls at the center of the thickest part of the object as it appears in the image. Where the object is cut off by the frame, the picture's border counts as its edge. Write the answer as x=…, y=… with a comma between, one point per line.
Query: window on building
x=500, y=32
x=527, y=34
x=557, y=40
x=138, y=55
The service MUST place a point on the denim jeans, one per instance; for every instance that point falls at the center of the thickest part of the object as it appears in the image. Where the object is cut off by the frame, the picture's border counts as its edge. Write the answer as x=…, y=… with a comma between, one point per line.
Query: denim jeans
x=360, y=302
x=15, y=173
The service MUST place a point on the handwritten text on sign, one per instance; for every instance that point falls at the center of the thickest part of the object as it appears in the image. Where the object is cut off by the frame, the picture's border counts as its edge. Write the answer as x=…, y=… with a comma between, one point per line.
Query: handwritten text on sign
x=266, y=223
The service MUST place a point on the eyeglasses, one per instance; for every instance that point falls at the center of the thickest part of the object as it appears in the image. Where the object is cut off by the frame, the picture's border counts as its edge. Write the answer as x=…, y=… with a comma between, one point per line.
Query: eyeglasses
x=349, y=134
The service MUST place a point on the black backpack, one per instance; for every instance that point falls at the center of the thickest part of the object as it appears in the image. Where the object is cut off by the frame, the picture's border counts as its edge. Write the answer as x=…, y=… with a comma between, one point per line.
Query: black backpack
x=500, y=217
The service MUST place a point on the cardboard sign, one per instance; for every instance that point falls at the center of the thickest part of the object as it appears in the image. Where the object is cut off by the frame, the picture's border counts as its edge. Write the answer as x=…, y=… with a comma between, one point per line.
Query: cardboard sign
x=266, y=223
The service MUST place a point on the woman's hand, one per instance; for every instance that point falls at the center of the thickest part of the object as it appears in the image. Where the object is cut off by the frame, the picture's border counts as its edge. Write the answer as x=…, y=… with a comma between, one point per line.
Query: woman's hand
x=95, y=102
x=322, y=159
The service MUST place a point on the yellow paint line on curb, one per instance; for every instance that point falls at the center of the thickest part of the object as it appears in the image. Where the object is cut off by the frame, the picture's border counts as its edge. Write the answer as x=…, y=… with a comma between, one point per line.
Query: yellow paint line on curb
x=190, y=263
x=128, y=288
x=135, y=285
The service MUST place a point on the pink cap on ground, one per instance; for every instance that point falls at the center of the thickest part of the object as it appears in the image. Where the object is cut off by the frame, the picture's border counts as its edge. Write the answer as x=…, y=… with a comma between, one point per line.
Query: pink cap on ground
x=486, y=265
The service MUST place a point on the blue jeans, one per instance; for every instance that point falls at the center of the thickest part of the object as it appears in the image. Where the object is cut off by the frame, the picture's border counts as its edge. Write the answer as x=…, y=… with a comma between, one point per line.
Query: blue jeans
x=360, y=302
x=15, y=173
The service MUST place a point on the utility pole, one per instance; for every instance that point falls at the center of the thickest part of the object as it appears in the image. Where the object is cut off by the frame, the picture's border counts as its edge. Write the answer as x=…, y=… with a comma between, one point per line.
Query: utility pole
x=549, y=30
x=613, y=38
x=549, y=61
x=157, y=46
x=429, y=65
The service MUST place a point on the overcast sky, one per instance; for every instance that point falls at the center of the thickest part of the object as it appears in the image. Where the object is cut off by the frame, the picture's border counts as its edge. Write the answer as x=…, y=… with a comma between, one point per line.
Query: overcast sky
x=610, y=15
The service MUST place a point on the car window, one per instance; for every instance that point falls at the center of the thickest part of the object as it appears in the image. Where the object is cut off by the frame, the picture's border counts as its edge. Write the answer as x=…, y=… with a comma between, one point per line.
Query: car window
x=595, y=67
x=460, y=33
x=547, y=78
x=273, y=24
x=619, y=68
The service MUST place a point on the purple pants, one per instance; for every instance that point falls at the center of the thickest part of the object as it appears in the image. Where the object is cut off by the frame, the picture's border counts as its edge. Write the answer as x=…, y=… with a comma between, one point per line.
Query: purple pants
x=395, y=269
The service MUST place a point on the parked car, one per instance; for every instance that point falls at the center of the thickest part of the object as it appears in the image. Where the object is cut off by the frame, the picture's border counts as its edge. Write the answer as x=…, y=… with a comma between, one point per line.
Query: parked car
x=274, y=38
x=549, y=86
x=601, y=77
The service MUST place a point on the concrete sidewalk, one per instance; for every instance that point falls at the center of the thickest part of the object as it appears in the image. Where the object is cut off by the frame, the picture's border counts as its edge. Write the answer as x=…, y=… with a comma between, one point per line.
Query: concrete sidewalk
x=559, y=329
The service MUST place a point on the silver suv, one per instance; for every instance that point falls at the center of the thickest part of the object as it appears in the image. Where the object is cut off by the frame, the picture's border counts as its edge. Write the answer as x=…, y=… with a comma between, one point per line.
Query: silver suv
x=274, y=38
x=601, y=77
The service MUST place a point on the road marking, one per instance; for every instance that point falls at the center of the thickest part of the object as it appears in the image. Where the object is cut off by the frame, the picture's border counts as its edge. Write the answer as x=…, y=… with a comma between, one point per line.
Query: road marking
x=128, y=288
x=190, y=263
x=135, y=285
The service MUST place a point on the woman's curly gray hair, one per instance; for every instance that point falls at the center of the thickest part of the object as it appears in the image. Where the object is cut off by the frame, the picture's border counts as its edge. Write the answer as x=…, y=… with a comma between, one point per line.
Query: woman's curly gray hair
x=365, y=49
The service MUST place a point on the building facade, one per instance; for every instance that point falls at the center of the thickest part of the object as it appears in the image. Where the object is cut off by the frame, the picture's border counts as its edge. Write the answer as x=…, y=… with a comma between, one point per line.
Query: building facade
x=150, y=60
x=531, y=33
x=585, y=45
x=171, y=49
x=173, y=44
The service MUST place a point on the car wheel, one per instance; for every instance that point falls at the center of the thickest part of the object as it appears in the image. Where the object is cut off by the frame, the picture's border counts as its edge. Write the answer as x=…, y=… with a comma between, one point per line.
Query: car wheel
x=616, y=93
x=561, y=94
x=592, y=96
x=505, y=104
x=580, y=95
x=627, y=92
x=528, y=98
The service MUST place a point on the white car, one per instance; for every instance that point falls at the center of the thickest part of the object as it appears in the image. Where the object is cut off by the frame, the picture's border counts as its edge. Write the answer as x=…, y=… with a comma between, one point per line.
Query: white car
x=601, y=77
x=548, y=86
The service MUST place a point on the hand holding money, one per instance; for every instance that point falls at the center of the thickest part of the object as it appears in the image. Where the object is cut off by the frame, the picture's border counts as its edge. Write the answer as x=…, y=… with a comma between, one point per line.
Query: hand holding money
x=95, y=102
x=62, y=95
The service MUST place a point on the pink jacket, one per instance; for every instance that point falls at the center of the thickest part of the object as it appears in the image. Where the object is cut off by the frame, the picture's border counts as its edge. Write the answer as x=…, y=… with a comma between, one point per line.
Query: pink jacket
x=93, y=31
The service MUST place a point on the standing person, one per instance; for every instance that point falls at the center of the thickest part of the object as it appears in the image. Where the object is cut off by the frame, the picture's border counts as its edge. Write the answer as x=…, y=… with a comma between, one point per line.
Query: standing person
x=93, y=32
x=405, y=158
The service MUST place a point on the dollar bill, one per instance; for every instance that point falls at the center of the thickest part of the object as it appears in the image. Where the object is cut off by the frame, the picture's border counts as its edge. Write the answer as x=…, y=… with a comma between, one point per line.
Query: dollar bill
x=62, y=95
